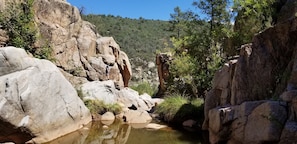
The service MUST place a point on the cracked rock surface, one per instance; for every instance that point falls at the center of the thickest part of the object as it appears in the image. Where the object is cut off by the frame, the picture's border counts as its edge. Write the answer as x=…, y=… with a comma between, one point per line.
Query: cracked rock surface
x=36, y=100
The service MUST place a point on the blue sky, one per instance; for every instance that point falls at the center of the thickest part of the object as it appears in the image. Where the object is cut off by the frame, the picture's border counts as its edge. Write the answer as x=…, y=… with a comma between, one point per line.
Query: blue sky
x=148, y=9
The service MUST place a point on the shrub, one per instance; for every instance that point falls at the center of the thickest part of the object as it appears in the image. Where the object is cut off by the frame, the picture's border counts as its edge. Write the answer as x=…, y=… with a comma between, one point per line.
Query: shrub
x=171, y=105
x=18, y=22
x=99, y=107
x=176, y=108
x=181, y=79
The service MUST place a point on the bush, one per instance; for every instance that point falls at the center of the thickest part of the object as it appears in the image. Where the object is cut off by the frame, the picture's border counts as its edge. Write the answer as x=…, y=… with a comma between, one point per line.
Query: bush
x=18, y=21
x=99, y=107
x=145, y=87
x=181, y=71
x=177, y=108
x=169, y=108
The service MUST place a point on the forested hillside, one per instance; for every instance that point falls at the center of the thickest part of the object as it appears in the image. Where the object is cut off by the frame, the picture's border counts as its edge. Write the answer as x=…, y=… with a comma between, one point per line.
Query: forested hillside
x=137, y=37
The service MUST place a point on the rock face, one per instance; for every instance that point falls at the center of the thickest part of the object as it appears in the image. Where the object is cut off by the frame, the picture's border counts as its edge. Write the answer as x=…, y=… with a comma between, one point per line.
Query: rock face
x=241, y=100
x=162, y=61
x=78, y=50
x=36, y=101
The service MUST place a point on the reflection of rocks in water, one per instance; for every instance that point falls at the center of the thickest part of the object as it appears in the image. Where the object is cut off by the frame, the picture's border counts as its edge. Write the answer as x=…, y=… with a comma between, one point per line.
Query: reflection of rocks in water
x=120, y=133
x=77, y=137
x=117, y=133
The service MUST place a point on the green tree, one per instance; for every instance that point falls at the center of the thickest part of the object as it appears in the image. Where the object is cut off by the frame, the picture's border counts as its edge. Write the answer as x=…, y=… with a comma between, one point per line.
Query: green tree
x=218, y=16
x=179, y=21
x=252, y=17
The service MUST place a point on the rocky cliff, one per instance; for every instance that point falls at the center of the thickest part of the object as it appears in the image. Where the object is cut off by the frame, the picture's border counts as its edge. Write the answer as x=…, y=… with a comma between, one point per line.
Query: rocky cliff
x=36, y=101
x=81, y=53
x=253, y=97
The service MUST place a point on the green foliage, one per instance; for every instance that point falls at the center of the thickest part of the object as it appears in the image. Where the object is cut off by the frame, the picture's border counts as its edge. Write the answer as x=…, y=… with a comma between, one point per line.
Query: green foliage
x=195, y=62
x=17, y=20
x=44, y=52
x=145, y=87
x=99, y=107
x=179, y=20
x=182, y=70
x=252, y=17
x=177, y=107
x=170, y=106
x=218, y=16
x=199, y=51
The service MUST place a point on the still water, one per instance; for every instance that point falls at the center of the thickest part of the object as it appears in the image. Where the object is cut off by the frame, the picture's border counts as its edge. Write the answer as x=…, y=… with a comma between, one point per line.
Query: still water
x=119, y=133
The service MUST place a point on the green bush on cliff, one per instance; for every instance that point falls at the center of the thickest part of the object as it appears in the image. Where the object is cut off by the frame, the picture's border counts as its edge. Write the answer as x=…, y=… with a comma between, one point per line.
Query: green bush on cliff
x=18, y=21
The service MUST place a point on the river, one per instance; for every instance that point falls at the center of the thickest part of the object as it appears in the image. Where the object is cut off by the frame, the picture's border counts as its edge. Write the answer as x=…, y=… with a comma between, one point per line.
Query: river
x=119, y=133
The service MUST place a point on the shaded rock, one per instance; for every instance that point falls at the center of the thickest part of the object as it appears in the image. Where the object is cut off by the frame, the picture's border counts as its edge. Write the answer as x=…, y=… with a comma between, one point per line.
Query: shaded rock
x=162, y=62
x=269, y=118
x=265, y=70
x=125, y=68
x=220, y=94
x=30, y=85
x=230, y=123
x=189, y=123
x=291, y=98
x=289, y=134
x=288, y=10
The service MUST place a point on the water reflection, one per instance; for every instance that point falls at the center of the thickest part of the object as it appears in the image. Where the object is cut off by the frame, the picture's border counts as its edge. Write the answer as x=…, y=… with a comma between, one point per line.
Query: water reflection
x=119, y=133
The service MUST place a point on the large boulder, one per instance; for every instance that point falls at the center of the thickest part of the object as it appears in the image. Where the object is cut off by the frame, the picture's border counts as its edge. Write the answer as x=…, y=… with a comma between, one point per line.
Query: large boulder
x=36, y=101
